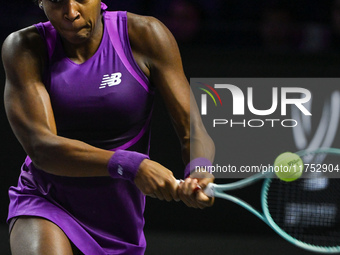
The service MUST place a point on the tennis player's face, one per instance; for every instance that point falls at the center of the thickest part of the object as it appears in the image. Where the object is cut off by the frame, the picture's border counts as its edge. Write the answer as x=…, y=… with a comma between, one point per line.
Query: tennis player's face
x=75, y=20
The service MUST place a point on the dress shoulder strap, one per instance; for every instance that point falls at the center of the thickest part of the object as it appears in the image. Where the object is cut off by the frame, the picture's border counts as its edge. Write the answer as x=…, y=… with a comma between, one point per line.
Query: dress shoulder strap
x=116, y=25
x=48, y=32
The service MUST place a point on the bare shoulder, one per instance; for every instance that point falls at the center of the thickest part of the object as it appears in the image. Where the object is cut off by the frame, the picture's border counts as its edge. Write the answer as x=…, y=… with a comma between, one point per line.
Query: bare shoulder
x=143, y=24
x=153, y=44
x=24, y=42
x=149, y=33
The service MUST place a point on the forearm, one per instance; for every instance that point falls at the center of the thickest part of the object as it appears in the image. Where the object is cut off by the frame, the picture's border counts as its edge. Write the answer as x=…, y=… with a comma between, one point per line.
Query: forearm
x=196, y=142
x=200, y=144
x=198, y=149
x=33, y=124
x=66, y=157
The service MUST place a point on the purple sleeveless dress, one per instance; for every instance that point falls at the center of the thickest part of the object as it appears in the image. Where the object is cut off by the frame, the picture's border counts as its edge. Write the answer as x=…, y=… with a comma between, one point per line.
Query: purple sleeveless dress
x=106, y=102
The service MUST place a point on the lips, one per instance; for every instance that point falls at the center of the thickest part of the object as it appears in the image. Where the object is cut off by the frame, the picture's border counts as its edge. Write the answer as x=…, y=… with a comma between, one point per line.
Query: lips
x=74, y=27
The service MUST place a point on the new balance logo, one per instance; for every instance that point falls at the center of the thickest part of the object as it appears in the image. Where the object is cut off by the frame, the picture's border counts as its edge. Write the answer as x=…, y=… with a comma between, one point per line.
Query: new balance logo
x=111, y=80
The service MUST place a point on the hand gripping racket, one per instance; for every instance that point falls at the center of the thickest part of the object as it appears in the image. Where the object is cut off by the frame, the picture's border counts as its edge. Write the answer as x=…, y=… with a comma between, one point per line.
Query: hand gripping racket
x=305, y=212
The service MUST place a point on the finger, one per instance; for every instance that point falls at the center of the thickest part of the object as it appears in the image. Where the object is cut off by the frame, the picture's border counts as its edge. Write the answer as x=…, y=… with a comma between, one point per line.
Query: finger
x=168, y=189
x=151, y=195
x=166, y=194
x=188, y=186
x=158, y=194
x=173, y=189
x=194, y=186
x=199, y=199
x=203, y=200
x=188, y=202
x=182, y=192
x=203, y=183
x=177, y=190
x=196, y=191
x=188, y=194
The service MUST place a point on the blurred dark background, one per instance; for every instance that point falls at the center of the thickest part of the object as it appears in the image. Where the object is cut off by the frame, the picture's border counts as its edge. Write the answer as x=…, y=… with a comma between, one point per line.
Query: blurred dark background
x=217, y=38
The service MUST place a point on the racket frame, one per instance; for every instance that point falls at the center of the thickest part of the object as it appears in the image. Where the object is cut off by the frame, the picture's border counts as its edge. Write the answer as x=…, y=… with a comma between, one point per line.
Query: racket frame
x=218, y=190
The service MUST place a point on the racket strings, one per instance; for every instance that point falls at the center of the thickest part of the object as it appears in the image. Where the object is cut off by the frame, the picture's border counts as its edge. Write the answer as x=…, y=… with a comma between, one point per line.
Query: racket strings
x=307, y=209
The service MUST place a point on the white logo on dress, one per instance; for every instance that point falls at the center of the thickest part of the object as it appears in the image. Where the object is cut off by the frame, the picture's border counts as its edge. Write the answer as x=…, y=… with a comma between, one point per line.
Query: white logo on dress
x=111, y=80
x=120, y=170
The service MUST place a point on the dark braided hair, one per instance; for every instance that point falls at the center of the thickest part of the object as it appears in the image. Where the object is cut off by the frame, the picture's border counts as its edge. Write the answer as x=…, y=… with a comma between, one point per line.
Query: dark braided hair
x=35, y=2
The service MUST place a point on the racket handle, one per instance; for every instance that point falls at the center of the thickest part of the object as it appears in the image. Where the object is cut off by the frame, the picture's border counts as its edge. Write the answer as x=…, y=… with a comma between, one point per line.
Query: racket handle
x=209, y=190
x=197, y=188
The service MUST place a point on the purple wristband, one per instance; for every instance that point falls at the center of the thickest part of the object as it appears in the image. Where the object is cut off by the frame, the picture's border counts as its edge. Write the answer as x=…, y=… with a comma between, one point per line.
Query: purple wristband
x=197, y=163
x=124, y=164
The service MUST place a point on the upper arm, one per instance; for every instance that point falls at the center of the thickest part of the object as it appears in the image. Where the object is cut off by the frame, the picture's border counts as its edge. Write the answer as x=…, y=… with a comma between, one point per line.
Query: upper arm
x=158, y=55
x=26, y=100
x=152, y=42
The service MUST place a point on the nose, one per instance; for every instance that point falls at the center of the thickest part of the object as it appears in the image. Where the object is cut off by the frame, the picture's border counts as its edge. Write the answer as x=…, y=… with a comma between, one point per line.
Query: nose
x=71, y=12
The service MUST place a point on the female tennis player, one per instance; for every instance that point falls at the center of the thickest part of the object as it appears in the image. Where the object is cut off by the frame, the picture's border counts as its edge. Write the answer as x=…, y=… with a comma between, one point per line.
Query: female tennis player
x=79, y=98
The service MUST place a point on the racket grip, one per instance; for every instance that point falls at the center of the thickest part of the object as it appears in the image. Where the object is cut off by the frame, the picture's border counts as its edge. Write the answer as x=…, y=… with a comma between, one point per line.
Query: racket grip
x=209, y=190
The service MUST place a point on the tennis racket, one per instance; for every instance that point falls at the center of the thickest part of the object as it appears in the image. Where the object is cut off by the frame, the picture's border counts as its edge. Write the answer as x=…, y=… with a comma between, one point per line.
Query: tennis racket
x=305, y=212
